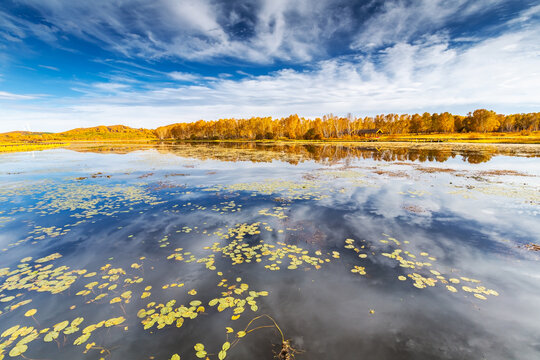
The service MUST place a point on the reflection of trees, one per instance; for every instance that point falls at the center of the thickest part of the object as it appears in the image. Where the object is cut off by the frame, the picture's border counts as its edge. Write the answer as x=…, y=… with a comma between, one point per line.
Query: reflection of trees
x=323, y=153
x=477, y=157
x=296, y=153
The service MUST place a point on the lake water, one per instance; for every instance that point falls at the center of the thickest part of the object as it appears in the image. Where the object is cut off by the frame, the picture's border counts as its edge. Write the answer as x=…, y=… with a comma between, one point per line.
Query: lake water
x=353, y=252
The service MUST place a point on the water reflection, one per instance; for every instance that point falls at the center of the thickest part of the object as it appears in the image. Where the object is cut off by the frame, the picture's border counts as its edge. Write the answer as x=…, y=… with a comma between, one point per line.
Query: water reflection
x=355, y=252
x=323, y=152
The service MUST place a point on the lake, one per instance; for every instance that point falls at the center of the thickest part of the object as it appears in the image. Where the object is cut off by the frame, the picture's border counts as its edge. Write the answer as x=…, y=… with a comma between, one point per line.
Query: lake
x=258, y=251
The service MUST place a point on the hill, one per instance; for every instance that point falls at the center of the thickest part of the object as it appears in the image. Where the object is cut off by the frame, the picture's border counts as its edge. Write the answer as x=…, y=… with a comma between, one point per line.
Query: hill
x=113, y=132
x=17, y=136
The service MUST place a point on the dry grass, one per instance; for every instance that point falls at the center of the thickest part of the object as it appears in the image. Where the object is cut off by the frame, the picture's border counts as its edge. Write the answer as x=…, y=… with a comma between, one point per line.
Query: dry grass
x=431, y=170
x=21, y=147
x=495, y=137
x=501, y=172
x=395, y=173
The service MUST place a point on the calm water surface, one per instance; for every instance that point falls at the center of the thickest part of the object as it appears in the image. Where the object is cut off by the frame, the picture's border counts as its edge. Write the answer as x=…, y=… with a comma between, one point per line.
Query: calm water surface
x=143, y=252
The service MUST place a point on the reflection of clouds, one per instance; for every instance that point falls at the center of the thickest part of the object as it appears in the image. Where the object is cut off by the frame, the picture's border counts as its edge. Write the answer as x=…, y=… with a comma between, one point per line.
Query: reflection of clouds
x=496, y=218
x=514, y=310
x=389, y=203
x=433, y=323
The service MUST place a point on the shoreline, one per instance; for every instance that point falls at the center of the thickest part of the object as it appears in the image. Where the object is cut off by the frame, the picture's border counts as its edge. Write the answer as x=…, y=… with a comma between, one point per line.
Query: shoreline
x=379, y=144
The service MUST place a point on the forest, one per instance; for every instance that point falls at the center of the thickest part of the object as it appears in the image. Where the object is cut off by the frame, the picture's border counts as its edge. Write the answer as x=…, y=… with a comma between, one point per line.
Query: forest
x=295, y=127
x=333, y=127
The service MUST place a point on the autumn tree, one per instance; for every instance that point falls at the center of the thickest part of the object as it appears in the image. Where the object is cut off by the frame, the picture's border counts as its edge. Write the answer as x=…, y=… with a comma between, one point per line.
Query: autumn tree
x=426, y=121
x=446, y=122
x=416, y=124
x=482, y=120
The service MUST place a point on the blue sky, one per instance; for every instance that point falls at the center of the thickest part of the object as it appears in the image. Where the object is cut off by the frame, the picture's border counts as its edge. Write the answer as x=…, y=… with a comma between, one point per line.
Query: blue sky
x=75, y=63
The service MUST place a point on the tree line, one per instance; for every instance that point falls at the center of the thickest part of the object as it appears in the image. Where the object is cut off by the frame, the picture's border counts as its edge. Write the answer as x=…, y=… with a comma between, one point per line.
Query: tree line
x=349, y=127
x=295, y=127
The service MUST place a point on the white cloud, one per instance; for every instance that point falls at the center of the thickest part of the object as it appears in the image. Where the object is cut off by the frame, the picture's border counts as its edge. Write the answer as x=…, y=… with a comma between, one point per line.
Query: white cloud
x=183, y=76
x=526, y=15
x=4, y=95
x=110, y=86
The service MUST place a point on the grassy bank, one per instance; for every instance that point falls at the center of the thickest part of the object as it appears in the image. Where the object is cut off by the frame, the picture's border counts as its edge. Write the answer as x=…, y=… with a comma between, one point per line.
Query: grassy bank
x=487, y=138
x=21, y=147
x=494, y=138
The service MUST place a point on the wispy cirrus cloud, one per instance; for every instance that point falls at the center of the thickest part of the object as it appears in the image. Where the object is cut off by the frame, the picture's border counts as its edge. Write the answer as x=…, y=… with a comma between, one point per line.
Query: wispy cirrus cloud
x=251, y=30
x=16, y=29
x=401, y=21
x=4, y=95
x=258, y=31
x=48, y=67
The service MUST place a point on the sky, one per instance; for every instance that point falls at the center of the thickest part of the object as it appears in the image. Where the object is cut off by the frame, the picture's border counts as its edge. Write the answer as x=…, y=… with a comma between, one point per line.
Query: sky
x=79, y=63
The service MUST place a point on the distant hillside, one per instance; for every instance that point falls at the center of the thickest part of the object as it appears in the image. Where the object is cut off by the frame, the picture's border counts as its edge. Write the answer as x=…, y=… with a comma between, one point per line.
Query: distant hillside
x=15, y=136
x=114, y=132
x=106, y=133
